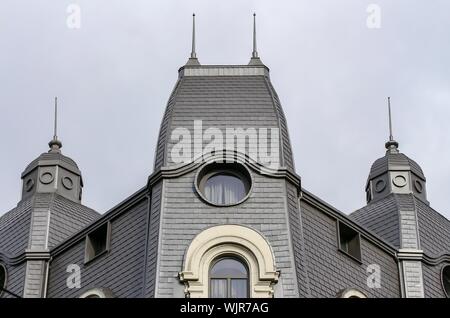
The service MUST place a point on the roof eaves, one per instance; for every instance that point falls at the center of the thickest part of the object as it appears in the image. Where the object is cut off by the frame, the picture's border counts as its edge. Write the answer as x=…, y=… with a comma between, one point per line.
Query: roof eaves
x=117, y=210
x=336, y=214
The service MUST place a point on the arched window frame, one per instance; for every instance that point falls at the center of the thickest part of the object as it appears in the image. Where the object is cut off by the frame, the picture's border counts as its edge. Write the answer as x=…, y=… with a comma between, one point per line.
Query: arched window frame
x=100, y=292
x=225, y=240
x=351, y=293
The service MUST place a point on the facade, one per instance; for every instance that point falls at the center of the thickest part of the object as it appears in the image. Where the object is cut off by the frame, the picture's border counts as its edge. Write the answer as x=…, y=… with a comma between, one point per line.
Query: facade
x=222, y=215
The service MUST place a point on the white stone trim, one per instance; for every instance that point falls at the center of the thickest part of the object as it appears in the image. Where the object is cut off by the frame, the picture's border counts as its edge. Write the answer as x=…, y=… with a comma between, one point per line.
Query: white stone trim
x=235, y=240
x=100, y=292
x=413, y=279
x=410, y=254
x=351, y=293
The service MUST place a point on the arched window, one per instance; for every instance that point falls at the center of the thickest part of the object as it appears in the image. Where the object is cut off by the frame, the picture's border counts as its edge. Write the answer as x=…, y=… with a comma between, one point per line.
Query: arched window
x=229, y=261
x=228, y=278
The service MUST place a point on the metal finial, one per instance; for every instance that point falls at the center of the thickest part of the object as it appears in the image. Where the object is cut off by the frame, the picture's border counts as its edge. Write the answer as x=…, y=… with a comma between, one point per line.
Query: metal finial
x=255, y=51
x=391, y=145
x=55, y=132
x=391, y=137
x=55, y=144
x=193, y=54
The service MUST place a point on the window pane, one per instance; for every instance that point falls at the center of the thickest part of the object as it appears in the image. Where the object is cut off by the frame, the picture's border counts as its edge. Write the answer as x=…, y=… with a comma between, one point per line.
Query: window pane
x=224, y=189
x=219, y=288
x=98, y=239
x=229, y=268
x=239, y=288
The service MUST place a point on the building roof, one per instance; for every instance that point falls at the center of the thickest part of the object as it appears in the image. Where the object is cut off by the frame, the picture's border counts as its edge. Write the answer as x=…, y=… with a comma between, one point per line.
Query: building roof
x=66, y=218
x=434, y=230
x=382, y=218
x=395, y=161
x=52, y=158
x=15, y=227
x=239, y=96
x=350, y=220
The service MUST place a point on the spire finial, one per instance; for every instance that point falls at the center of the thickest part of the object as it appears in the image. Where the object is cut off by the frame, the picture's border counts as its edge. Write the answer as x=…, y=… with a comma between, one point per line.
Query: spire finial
x=193, y=54
x=255, y=60
x=55, y=132
x=255, y=51
x=391, y=145
x=55, y=144
x=193, y=58
x=391, y=138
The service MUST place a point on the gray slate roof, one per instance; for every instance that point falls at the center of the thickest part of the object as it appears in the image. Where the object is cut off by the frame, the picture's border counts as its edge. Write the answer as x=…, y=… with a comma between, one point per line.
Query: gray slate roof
x=434, y=230
x=52, y=158
x=393, y=161
x=67, y=217
x=15, y=227
x=382, y=217
x=223, y=101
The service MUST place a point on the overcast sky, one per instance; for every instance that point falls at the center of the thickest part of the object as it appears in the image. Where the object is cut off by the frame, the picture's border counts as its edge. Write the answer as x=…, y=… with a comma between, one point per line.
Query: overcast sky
x=114, y=74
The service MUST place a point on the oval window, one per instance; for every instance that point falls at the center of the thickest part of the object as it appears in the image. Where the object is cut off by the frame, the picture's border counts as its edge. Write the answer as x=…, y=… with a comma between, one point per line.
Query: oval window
x=2, y=278
x=223, y=184
x=446, y=280
x=224, y=189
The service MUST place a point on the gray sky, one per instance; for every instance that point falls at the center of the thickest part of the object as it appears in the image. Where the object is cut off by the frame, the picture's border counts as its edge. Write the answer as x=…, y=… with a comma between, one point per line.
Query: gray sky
x=113, y=77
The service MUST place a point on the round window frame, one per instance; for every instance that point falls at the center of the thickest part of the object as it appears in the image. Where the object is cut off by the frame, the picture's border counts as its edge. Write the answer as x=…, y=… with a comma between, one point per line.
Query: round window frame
x=29, y=184
x=234, y=169
x=5, y=283
x=42, y=178
x=380, y=185
x=418, y=186
x=67, y=182
x=447, y=294
x=400, y=181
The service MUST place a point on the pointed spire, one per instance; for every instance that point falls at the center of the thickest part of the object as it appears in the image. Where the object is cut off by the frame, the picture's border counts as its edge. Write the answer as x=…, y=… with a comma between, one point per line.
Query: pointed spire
x=55, y=144
x=193, y=54
x=391, y=138
x=55, y=128
x=193, y=58
x=391, y=145
x=255, y=60
x=255, y=51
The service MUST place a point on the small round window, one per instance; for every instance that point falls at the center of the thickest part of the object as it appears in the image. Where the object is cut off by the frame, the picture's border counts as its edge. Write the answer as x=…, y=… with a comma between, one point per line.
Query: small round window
x=224, y=184
x=446, y=280
x=2, y=278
